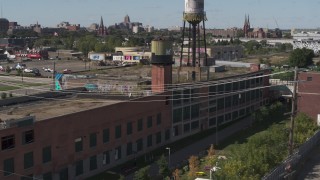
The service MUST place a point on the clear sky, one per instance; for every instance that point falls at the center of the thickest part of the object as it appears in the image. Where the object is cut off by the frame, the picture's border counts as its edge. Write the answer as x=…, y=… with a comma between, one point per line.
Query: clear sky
x=164, y=13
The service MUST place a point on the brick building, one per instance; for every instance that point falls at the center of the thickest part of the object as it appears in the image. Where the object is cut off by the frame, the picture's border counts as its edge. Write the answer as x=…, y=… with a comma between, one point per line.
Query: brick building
x=77, y=138
x=309, y=94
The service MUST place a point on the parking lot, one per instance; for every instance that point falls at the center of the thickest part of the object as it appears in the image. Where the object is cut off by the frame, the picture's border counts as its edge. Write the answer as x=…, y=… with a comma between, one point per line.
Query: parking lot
x=60, y=65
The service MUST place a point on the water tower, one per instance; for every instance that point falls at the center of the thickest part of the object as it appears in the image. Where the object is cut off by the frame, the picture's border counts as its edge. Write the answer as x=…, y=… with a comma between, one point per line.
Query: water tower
x=194, y=14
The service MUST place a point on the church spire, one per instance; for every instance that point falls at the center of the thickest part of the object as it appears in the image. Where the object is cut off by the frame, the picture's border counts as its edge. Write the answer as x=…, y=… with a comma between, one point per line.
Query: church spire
x=101, y=22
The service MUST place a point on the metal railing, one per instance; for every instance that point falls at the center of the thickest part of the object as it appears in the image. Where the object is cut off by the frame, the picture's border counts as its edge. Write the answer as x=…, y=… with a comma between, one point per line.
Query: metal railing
x=289, y=167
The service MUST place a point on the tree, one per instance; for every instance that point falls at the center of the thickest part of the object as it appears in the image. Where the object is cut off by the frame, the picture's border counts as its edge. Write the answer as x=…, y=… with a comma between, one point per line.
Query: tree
x=193, y=166
x=176, y=174
x=301, y=57
x=142, y=174
x=163, y=166
x=211, y=151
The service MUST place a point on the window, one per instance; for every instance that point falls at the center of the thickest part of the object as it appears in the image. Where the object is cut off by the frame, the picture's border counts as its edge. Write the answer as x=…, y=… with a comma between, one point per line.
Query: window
x=106, y=135
x=79, y=167
x=212, y=121
x=149, y=122
x=158, y=137
x=8, y=166
x=195, y=111
x=117, y=154
x=228, y=117
x=129, y=148
x=235, y=115
x=309, y=78
x=228, y=102
x=220, y=120
x=177, y=115
x=176, y=97
x=64, y=174
x=159, y=118
x=46, y=154
x=129, y=128
x=186, y=128
x=186, y=95
x=167, y=135
x=47, y=176
x=78, y=144
x=195, y=125
x=106, y=158
x=118, y=132
x=93, y=140
x=28, y=160
x=93, y=163
x=186, y=113
x=7, y=142
x=220, y=104
x=149, y=141
x=28, y=137
x=139, y=144
x=140, y=125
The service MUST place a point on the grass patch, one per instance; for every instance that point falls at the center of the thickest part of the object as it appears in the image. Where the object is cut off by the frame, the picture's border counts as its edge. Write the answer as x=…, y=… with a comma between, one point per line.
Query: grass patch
x=8, y=88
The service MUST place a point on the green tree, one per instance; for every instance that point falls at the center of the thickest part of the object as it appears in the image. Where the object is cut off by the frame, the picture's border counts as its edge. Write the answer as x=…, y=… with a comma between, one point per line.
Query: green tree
x=142, y=174
x=301, y=57
x=304, y=128
x=163, y=166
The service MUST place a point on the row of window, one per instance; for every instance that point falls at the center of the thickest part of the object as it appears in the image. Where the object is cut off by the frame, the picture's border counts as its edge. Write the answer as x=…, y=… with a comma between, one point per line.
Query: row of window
x=28, y=161
x=8, y=142
x=118, y=132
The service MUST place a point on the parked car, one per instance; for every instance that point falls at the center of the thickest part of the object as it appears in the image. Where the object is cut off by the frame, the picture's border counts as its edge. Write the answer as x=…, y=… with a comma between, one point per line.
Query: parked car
x=67, y=71
x=47, y=69
x=20, y=66
x=26, y=70
x=36, y=72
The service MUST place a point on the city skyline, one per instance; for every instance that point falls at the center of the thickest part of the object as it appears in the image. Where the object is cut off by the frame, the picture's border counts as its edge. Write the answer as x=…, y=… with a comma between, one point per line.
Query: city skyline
x=221, y=14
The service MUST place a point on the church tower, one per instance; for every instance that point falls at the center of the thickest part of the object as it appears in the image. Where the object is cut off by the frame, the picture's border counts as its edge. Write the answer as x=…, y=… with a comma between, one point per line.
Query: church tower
x=102, y=30
x=246, y=26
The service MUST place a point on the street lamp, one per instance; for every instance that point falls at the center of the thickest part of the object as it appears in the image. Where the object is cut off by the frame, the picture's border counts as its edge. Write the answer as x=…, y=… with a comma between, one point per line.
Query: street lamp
x=169, y=157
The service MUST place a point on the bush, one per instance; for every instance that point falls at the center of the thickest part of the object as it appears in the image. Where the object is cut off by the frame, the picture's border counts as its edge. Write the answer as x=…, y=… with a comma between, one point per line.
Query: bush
x=3, y=95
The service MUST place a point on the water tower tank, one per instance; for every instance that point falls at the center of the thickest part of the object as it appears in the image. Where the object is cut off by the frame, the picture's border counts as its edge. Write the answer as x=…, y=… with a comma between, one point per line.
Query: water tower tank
x=161, y=51
x=194, y=11
x=194, y=6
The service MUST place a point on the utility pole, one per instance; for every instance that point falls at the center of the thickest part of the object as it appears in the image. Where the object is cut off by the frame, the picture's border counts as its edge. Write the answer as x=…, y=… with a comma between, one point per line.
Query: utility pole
x=53, y=75
x=293, y=109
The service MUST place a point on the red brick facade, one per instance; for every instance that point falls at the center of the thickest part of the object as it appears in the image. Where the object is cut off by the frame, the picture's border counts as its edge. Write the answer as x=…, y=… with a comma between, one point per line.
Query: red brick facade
x=309, y=94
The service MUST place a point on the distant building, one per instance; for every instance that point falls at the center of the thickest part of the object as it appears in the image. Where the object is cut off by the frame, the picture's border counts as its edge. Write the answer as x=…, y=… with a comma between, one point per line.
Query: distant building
x=4, y=25
x=93, y=27
x=225, y=33
x=259, y=32
x=68, y=26
x=128, y=25
x=102, y=30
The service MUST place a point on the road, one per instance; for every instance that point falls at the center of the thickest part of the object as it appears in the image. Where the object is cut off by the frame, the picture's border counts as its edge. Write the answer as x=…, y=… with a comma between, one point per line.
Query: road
x=311, y=168
x=199, y=146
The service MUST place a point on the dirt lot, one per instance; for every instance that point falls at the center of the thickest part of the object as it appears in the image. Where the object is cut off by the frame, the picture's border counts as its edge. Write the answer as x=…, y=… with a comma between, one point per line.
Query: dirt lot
x=279, y=58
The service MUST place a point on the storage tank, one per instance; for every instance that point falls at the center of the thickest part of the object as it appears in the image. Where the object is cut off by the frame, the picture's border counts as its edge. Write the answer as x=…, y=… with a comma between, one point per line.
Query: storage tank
x=194, y=11
x=161, y=51
x=194, y=6
x=161, y=47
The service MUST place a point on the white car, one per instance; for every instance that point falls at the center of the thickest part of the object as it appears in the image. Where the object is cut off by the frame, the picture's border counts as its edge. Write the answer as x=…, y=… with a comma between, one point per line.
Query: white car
x=28, y=70
x=47, y=69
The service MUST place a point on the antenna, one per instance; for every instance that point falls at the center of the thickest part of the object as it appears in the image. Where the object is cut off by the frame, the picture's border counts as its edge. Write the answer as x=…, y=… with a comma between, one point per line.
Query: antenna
x=276, y=22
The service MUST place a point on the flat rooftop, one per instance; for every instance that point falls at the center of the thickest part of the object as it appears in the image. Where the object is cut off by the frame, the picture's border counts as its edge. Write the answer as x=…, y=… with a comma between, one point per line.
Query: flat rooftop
x=47, y=109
